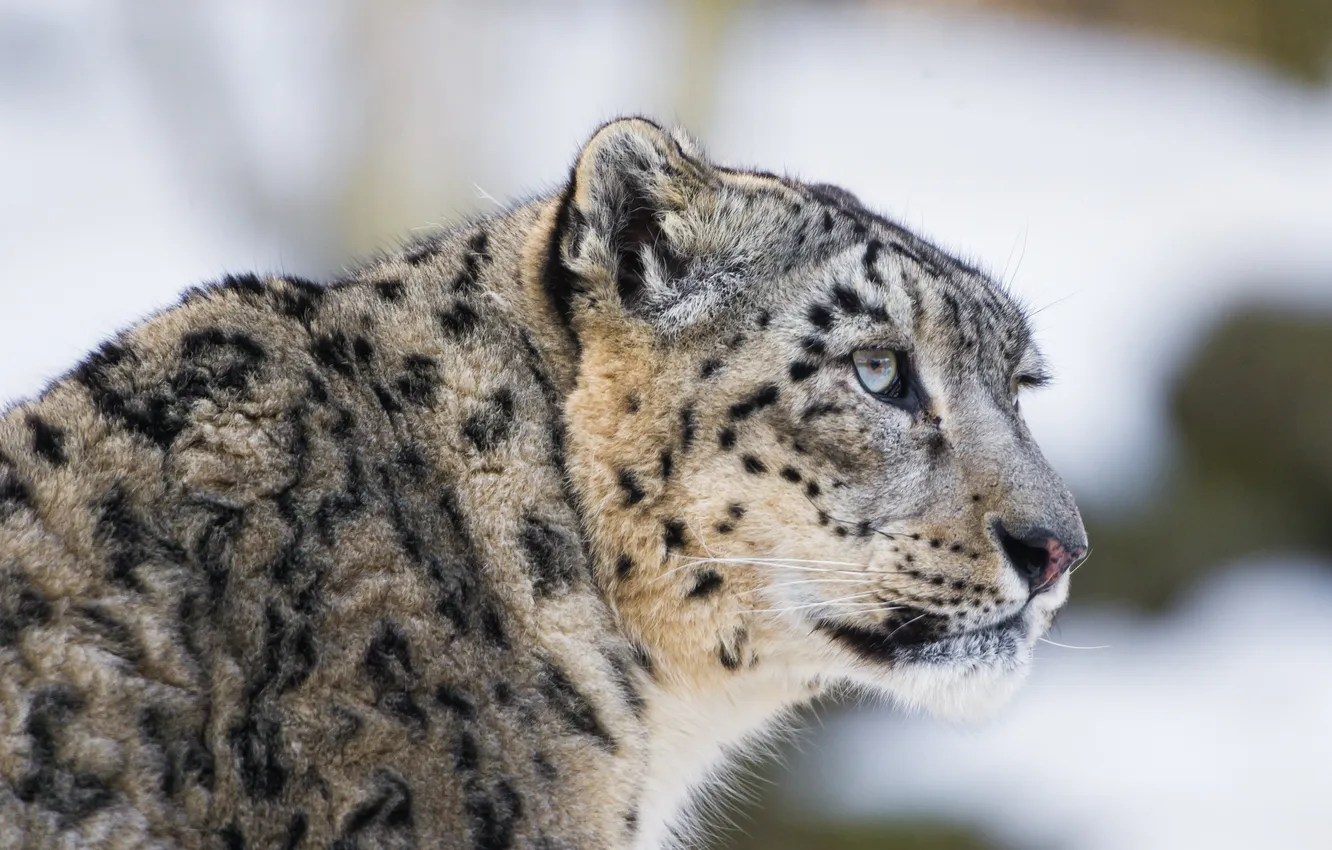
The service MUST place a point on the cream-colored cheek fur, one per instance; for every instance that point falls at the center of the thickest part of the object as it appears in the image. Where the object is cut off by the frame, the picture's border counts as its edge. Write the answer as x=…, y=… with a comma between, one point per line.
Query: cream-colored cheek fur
x=697, y=706
x=621, y=370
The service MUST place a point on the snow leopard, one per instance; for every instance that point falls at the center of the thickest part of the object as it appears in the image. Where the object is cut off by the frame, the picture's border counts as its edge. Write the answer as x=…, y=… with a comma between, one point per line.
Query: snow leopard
x=516, y=536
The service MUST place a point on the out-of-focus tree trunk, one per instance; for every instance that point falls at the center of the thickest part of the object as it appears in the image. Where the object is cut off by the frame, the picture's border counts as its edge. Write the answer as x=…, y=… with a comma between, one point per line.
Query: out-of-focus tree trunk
x=707, y=23
x=413, y=59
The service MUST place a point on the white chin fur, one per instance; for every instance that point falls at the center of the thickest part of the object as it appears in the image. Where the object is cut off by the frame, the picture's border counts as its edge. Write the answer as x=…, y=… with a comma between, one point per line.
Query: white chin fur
x=961, y=678
x=963, y=691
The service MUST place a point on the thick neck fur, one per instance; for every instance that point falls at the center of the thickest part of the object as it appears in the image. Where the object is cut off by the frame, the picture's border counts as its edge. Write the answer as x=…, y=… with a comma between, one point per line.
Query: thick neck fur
x=711, y=677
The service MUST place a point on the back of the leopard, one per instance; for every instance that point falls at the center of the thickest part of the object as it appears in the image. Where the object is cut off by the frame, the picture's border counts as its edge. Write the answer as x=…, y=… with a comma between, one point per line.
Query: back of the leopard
x=294, y=566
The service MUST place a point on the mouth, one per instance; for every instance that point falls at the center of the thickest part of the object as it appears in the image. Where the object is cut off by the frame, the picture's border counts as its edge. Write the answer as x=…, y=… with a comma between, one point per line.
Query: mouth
x=923, y=638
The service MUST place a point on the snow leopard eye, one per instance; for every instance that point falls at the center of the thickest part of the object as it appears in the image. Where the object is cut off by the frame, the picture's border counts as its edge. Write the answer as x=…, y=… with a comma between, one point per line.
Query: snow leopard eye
x=880, y=372
x=1022, y=382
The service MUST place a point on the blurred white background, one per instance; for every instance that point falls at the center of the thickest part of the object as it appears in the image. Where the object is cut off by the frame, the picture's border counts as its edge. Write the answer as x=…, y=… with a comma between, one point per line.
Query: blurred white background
x=1133, y=189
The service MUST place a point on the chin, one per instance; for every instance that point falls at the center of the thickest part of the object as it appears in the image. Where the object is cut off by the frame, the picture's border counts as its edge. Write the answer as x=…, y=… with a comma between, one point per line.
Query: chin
x=969, y=677
x=961, y=677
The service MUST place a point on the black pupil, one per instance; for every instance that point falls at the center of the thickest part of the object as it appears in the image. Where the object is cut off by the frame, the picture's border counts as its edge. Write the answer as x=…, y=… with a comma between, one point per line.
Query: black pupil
x=879, y=366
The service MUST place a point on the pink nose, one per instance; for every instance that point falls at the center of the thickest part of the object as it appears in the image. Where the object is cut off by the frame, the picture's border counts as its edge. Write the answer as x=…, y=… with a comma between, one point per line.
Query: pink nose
x=1039, y=557
x=1061, y=559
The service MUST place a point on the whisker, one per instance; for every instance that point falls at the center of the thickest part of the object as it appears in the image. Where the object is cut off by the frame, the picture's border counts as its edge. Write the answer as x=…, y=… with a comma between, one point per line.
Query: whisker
x=898, y=603
x=860, y=606
x=686, y=563
x=821, y=581
x=852, y=606
x=1080, y=564
x=797, y=567
x=1008, y=282
x=1071, y=646
x=843, y=601
x=693, y=562
x=860, y=595
x=779, y=560
x=689, y=560
x=1055, y=303
x=907, y=623
x=698, y=537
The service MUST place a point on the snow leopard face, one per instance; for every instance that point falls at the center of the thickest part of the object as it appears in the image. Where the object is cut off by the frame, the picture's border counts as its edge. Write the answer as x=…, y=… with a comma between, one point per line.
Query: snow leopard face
x=797, y=435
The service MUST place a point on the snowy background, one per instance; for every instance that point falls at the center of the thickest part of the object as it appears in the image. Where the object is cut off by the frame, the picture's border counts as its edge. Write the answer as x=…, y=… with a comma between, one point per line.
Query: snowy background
x=1133, y=190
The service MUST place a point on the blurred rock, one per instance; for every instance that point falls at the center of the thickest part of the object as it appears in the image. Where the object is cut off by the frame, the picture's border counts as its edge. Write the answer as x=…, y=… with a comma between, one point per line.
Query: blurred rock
x=1253, y=415
x=1293, y=36
x=1256, y=404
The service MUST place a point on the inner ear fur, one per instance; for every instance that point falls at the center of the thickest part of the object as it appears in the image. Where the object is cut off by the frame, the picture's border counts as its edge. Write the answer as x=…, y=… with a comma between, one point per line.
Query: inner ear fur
x=628, y=177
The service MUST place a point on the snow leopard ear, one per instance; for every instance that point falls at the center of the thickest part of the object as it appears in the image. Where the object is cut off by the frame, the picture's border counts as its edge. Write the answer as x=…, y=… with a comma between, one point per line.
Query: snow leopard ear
x=625, y=229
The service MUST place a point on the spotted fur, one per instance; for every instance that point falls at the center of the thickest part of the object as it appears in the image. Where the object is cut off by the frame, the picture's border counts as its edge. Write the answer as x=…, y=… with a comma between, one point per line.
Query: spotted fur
x=506, y=539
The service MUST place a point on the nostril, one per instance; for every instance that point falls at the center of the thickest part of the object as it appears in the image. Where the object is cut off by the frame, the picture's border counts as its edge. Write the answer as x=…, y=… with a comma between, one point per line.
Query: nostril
x=1030, y=556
